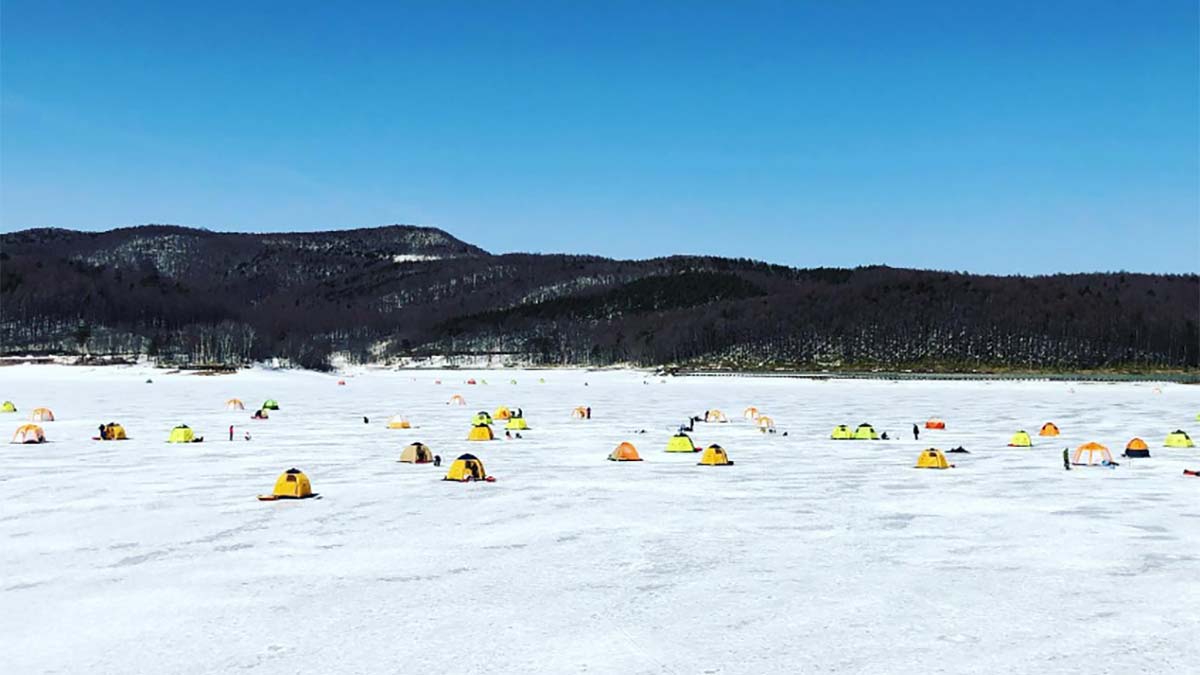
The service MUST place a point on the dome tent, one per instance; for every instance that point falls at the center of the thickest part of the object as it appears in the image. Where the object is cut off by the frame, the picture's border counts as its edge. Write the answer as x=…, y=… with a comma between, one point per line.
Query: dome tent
x=1179, y=439
x=932, y=458
x=714, y=455
x=1020, y=440
x=29, y=433
x=1137, y=448
x=1049, y=429
x=681, y=442
x=416, y=453
x=466, y=468
x=292, y=484
x=842, y=433
x=625, y=452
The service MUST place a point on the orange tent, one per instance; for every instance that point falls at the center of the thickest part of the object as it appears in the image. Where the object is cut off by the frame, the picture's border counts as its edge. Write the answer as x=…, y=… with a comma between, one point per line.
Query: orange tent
x=41, y=415
x=1049, y=429
x=457, y=400
x=935, y=424
x=750, y=413
x=1094, y=452
x=29, y=433
x=1137, y=448
x=625, y=452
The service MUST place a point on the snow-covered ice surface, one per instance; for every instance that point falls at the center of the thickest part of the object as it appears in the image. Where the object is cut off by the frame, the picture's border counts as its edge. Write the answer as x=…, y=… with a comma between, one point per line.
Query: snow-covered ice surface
x=808, y=555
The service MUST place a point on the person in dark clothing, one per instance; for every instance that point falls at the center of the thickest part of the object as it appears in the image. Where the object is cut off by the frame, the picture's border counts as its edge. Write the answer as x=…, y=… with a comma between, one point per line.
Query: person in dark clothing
x=883, y=436
x=589, y=412
x=1066, y=459
x=916, y=433
x=960, y=449
x=437, y=460
x=231, y=432
x=103, y=433
x=365, y=420
x=507, y=434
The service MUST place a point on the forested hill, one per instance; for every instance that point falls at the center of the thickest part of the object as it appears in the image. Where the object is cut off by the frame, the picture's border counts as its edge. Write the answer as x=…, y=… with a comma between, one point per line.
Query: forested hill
x=192, y=296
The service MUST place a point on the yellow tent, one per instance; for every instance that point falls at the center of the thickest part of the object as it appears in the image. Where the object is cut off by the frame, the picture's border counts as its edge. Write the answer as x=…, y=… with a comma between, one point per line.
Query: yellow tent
x=933, y=458
x=517, y=424
x=29, y=433
x=681, y=442
x=481, y=432
x=1020, y=440
x=765, y=423
x=8, y=407
x=715, y=416
x=398, y=422
x=417, y=453
x=1179, y=439
x=113, y=432
x=625, y=452
x=1049, y=429
x=292, y=484
x=481, y=417
x=865, y=432
x=842, y=433
x=1096, y=454
x=41, y=415
x=502, y=413
x=234, y=404
x=714, y=455
x=182, y=434
x=466, y=468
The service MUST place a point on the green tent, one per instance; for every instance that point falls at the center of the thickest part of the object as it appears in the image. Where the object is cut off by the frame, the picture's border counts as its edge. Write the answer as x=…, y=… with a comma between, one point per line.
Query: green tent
x=270, y=404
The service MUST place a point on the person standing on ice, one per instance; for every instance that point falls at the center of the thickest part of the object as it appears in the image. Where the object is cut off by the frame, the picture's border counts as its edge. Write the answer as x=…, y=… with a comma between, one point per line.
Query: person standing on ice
x=916, y=433
x=1066, y=459
x=231, y=432
x=589, y=412
x=437, y=460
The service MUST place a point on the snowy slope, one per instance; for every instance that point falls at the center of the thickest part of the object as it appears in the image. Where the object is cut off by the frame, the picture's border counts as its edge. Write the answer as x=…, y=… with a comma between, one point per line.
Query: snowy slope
x=808, y=555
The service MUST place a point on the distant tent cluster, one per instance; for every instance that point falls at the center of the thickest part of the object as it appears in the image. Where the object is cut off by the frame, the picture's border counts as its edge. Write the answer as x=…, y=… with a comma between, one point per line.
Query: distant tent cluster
x=864, y=432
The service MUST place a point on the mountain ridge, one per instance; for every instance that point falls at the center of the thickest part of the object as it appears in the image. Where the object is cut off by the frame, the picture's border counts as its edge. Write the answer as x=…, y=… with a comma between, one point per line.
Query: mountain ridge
x=190, y=295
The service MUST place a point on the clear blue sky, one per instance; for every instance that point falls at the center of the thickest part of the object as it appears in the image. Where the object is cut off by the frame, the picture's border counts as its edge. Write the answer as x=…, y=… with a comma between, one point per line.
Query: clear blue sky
x=1008, y=137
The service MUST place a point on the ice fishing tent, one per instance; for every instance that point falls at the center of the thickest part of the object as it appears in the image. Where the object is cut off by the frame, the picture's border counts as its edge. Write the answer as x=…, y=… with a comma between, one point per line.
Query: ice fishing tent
x=1093, y=453
x=865, y=432
x=292, y=484
x=417, y=453
x=1049, y=429
x=481, y=432
x=456, y=400
x=1020, y=440
x=181, y=434
x=681, y=442
x=41, y=415
x=932, y=458
x=1137, y=448
x=234, y=404
x=715, y=416
x=579, y=413
x=270, y=404
x=481, y=417
x=935, y=424
x=517, y=424
x=466, y=468
x=113, y=432
x=1179, y=439
x=750, y=413
x=714, y=455
x=29, y=433
x=765, y=423
x=7, y=407
x=625, y=452
x=502, y=413
x=842, y=433
x=398, y=422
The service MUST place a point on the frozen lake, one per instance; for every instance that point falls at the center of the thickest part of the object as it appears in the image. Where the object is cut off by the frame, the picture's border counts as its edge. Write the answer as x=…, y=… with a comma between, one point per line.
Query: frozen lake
x=808, y=555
